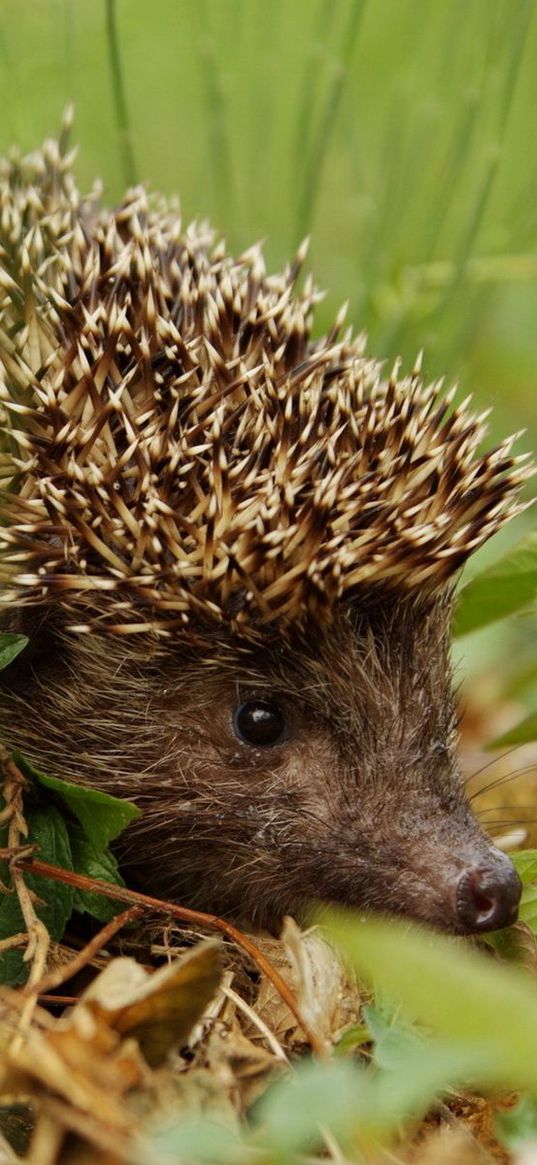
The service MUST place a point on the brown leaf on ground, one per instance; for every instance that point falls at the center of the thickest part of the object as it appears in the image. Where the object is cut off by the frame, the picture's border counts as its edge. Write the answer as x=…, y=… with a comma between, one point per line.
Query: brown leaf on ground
x=328, y=997
x=243, y=1068
x=84, y=1074
x=461, y=1133
x=158, y=1009
x=76, y=1072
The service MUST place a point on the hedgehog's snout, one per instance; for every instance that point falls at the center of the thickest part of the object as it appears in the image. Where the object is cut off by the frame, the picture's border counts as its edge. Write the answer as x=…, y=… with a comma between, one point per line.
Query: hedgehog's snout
x=486, y=896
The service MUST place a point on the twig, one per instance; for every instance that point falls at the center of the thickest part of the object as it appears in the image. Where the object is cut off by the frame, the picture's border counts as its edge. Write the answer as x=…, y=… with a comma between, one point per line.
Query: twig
x=61, y=974
x=257, y=1022
x=47, y=1140
x=196, y=917
x=38, y=937
x=58, y=1001
x=115, y=1140
x=14, y=941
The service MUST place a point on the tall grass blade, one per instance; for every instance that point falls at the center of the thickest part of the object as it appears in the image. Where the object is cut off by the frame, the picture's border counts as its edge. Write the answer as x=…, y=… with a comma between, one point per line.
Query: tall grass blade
x=396, y=157
x=518, y=26
x=317, y=154
x=120, y=101
x=69, y=49
x=309, y=90
x=215, y=108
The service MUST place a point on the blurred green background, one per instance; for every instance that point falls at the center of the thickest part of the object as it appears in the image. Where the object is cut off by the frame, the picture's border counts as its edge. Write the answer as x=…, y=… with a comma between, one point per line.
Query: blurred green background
x=400, y=133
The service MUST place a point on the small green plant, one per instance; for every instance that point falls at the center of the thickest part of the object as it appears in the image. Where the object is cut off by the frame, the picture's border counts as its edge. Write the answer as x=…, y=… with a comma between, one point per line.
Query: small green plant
x=71, y=827
x=447, y=1017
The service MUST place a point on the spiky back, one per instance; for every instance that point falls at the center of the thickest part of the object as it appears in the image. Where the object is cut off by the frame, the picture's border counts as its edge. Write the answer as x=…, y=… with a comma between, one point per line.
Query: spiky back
x=177, y=442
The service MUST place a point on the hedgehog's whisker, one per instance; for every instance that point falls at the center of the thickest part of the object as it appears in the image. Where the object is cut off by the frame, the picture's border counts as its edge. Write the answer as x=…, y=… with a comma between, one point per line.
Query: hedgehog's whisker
x=505, y=779
x=490, y=764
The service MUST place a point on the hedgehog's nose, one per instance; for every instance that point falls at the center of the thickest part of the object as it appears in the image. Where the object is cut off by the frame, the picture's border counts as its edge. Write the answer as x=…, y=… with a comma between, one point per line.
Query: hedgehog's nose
x=488, y=895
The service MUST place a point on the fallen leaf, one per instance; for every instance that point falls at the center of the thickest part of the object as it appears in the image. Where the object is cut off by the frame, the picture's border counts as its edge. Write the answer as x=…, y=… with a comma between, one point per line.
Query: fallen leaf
x=159, y=1010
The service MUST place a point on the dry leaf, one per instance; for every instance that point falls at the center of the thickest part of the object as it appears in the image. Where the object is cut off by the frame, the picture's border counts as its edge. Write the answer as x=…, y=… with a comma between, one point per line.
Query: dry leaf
x=326, y=998
x=158, y=1009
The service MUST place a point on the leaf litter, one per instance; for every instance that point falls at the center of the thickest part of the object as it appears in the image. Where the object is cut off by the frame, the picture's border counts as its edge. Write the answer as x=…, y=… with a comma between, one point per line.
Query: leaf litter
x=170, y=1042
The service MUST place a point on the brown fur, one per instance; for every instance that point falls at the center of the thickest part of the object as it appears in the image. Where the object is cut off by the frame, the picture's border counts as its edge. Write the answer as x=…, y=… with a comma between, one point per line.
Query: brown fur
x=361, y=804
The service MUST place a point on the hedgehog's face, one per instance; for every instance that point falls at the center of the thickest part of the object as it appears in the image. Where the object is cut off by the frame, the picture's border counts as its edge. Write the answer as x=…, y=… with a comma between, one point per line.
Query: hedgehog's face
x=272, y=778
x=328, y=771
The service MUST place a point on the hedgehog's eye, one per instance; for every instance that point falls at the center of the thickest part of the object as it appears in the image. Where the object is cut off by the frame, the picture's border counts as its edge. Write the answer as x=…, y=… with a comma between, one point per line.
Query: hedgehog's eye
x=259, y=722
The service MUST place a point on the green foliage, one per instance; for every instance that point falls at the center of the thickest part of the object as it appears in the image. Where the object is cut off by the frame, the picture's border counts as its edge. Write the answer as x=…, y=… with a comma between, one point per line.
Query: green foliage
x=352, y=1038
x=10, y=646
x=101, y=816
x=526, y=864
x=71, y=827
x=509, y=585
x=528, y=908
x=461, y=996
x=393, y=1039
x=505, y=588
x=455, y=1018
x=98, y=863
x=47, y=830
x=199, y=1142
x=342, y=1099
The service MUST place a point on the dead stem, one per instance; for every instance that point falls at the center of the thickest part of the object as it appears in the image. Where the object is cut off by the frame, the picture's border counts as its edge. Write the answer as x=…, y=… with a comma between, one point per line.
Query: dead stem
x=13, y=787
x=196, y=917
x=61, y=974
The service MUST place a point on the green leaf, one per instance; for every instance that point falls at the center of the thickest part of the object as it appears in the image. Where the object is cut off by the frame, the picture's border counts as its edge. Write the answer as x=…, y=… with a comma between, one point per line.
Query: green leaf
x=393, y=1039
x=48, y=830
x=355, y=1102
x=198, y=1140
x=421, y=1073
x=294, y=1111
x=10, y=646
x=528, y=908
x=522, y=733
x=94, y=863
x=507, y=586
x=74, y=840
x=353, y=1037
x=520, y=681
x=525, y=863
x=456, y=992
x=359, y=1106
x=102, y=817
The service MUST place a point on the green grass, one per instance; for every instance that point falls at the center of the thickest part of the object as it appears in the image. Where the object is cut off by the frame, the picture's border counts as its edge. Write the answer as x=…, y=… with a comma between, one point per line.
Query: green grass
x=398, y=133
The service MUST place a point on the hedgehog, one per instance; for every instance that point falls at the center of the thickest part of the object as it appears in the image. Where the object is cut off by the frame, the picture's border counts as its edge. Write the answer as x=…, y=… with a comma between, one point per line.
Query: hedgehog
x=233, y=547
